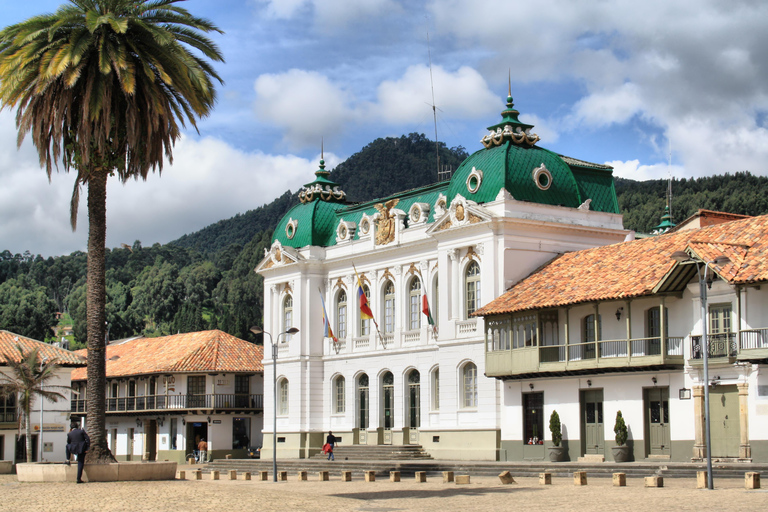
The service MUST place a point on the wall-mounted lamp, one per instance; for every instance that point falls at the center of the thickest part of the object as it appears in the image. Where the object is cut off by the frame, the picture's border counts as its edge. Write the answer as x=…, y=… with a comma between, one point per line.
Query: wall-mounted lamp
x=618, y=313
x=138, y=422
x=589, y=383
x=653, y=379
x=530, y=385
x=183, y=421
x=209, y=420
x=160, y=420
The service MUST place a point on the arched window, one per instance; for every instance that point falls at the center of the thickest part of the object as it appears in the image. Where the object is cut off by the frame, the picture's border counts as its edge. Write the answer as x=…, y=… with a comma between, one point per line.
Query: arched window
x=469, y=384
x=389, y=307
x=472, y=279
x=341, y=315
x=388, y=401
x=287, y=313
x=414, y=399
x=282, y=397
x=338, y=395
x=436, y=389
x=365, y=323
x=362, y=401
x=414, y=304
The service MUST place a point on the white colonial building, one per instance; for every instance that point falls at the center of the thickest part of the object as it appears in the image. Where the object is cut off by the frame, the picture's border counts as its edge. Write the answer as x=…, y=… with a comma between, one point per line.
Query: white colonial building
x=508, y=209
x=50, y=420
x=166, y=394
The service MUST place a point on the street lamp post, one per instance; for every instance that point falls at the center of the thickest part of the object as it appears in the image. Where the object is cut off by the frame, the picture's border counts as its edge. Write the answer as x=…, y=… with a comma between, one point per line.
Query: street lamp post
x=682, y=256
x=258, y=330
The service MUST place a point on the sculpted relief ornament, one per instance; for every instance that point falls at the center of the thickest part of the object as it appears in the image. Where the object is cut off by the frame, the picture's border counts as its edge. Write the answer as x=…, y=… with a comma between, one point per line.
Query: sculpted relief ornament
x=385, y=222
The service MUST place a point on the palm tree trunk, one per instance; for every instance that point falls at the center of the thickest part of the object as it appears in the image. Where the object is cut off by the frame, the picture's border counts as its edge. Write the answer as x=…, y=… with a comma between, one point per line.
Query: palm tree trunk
x=28, y=427
x=96, y=319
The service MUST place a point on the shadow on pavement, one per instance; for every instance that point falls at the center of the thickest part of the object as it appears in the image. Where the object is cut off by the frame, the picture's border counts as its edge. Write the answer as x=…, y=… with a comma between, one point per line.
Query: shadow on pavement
x=413, y=493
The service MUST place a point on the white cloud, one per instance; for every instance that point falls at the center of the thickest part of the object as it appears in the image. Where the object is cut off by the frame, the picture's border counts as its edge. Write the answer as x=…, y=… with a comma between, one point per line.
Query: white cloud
x=305, y=104
x=331, y=14
x=461, y=94
x=209, y=181
x=633, y=170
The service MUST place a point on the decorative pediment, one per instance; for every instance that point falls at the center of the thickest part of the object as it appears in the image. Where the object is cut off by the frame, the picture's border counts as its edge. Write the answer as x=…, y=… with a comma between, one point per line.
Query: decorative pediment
x=277, y=255
x=461, y=213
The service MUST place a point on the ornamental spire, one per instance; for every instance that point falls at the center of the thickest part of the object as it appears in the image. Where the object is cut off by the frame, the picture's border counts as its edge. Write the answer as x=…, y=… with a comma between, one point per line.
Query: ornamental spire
x=510, y=128
x=322, y=188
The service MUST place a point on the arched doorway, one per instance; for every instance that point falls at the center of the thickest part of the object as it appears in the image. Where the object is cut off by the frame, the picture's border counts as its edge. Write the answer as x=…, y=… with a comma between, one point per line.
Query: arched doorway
x=388, y=406
x=414, y=406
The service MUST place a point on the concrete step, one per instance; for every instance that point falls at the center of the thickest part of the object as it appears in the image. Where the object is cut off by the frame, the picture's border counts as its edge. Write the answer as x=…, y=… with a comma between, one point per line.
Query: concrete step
x=481, y=468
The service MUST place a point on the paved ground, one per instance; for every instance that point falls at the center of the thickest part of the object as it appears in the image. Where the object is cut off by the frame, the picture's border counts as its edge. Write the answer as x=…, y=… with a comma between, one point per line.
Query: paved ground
x=483, y=494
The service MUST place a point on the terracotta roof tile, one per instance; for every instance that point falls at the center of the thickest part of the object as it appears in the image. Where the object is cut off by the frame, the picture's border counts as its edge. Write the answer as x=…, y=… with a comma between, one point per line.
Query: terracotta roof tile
x=9, y=340
x=181, y=353
x=632, y=269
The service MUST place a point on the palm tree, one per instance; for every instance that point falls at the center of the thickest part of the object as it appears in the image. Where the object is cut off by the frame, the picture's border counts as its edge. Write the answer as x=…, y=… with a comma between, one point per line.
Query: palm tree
x=28, y=376
x=103, y=87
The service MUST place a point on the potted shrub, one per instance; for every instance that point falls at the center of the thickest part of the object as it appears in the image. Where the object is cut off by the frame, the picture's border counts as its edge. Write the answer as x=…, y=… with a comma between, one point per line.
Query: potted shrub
x=621, y=450
x=556, y=451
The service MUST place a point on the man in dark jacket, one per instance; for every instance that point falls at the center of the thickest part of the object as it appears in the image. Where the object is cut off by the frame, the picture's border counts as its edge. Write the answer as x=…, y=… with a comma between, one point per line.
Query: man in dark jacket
x=331, y=442
x=78, y=444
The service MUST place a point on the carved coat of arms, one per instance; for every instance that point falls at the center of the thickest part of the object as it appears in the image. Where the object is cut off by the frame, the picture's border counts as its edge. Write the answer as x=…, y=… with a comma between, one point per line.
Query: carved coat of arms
x=385, y=223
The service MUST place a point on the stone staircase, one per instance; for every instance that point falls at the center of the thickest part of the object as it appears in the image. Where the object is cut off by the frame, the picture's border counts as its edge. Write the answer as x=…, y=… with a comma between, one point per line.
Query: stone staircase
x=377, y=452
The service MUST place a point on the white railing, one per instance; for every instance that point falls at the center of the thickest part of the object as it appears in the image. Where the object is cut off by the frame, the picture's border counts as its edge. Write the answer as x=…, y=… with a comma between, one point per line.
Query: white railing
x=362, y=342
x=411, y=337
x=467, y=327
x=754, y=338
x=388, y=340
x=335, y=347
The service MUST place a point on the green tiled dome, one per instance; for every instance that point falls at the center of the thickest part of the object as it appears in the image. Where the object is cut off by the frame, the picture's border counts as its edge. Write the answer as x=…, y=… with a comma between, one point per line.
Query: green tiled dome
x=311, y=223
x=511, y=160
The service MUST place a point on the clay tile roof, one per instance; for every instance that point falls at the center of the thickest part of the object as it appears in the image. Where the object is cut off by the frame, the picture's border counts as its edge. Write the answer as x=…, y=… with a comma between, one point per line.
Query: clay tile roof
x=204, y=351
x=633, y=269
x=9, y=340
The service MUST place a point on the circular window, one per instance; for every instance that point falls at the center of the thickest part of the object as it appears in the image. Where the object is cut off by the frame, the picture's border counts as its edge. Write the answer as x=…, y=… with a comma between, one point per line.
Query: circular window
x=365, y=226
x=542, y=177
x=290, y=229
x=343, y=232
x=474, y=180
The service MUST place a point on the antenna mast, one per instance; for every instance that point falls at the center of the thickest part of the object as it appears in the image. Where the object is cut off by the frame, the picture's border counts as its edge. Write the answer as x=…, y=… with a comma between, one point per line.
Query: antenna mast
x=434, y=109
x=669, y=181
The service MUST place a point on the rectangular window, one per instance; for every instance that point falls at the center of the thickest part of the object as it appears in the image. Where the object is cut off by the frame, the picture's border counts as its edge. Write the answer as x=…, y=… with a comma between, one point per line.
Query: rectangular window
x=241, y=429
x=470, y=385
x=549, y=328
x=720, y=318
x=533, y=418
x=436, y=390
x=341, y=324
x=283, y=405
x=174, y=433
x=196, y=391
x=498, y=334
x=415, y=311
x=7, y=408
x=389, y=315
x=242, y=390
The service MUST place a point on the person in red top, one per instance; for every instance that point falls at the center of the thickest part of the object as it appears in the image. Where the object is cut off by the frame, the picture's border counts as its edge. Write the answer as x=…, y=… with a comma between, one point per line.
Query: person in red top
x=331, y=442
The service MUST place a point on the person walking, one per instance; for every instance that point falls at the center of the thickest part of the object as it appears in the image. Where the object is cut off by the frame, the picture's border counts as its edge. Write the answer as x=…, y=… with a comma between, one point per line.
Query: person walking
x=331, y=442
x=78, y=443
x=203, y=449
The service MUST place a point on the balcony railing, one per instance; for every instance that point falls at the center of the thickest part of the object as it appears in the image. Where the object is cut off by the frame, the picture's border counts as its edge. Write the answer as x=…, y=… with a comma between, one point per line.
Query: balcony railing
x=752, y=339
x=177, y=402
x=720, y=345
x=636, y=352
x=8, y=416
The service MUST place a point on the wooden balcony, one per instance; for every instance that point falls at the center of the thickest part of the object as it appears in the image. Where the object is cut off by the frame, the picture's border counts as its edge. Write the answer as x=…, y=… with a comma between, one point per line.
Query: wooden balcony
x=583, y=358
x=178, y=403
x=753, y=344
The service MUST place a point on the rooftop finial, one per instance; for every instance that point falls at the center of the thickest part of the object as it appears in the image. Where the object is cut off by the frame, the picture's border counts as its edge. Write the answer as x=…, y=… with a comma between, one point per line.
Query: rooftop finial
x=509, y=93
x=322, y=153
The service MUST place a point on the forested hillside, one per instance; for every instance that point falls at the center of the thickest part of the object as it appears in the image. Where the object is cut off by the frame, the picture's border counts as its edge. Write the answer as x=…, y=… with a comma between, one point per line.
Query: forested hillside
x=206, y=280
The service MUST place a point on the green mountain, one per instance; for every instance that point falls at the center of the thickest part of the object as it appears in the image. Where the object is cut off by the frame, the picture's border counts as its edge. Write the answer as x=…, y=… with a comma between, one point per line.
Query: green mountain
x=205, y=279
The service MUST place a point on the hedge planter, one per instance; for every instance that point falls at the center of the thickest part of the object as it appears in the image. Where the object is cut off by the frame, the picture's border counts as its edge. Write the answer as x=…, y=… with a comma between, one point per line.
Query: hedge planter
x=620, y=453
x=115, y=472
x=556, y=453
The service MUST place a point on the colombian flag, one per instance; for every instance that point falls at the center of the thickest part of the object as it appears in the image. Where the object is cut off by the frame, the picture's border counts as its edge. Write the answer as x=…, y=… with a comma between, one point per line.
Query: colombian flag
x=327, y=331
x=365, y=309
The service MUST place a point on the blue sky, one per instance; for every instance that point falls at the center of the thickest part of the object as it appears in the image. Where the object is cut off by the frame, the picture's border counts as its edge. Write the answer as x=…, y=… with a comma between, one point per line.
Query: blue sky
x=615, y=81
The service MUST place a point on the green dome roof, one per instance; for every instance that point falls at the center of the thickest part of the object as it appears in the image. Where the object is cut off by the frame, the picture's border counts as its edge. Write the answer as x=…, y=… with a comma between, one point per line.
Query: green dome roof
x=312, y=223
x=511, y=160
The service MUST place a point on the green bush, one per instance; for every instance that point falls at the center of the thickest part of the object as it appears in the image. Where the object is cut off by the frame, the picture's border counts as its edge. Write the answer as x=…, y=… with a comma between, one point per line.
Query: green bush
x=554, y=428
x=620, y=429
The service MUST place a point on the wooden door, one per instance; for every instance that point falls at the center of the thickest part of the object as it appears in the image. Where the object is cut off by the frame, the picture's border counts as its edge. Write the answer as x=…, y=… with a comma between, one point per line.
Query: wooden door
x=593, y=432
x=657, y=421
x=724, y=426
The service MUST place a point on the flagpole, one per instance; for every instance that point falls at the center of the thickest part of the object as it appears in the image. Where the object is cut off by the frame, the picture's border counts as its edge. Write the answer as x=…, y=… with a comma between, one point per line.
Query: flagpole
x=370, y=312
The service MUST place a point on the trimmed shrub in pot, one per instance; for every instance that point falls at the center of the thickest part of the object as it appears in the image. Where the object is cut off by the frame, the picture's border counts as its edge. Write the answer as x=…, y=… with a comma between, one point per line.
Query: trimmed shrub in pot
x=621, y=450
x=555, y=451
